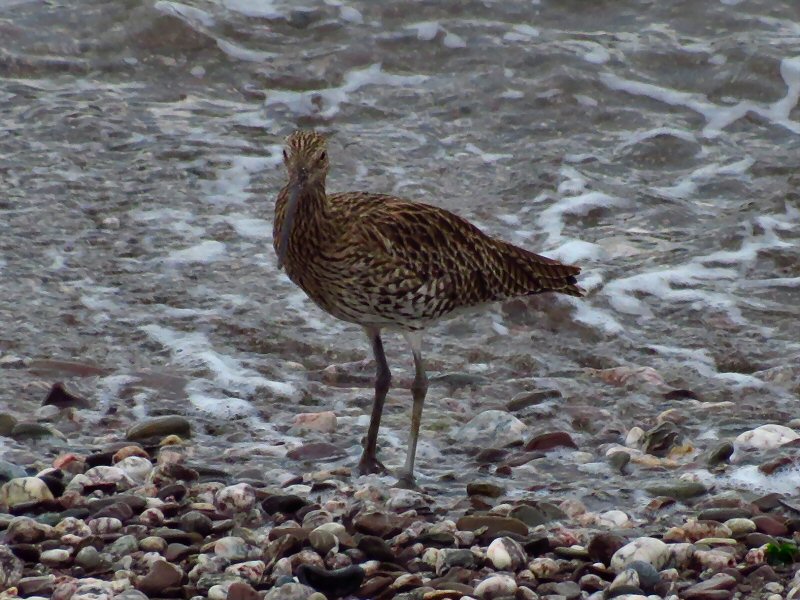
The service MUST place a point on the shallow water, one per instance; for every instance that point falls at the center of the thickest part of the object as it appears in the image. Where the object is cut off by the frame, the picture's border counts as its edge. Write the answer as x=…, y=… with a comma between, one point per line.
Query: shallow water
x=655, y=144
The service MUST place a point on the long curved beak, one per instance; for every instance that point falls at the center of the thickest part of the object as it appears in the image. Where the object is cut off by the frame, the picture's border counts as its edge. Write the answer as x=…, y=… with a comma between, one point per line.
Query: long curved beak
x=288, y=222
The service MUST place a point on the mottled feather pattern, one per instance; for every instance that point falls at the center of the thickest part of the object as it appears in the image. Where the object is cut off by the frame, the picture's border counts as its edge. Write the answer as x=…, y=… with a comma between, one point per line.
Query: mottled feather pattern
x=378, y=260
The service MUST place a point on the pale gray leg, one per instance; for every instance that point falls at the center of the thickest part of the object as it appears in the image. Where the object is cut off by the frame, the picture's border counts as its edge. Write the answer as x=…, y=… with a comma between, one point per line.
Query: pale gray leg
x=369, y=462
x=419, y=388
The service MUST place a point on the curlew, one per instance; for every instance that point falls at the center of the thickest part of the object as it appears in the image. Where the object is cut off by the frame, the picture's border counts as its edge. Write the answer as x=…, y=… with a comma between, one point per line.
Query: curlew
x=385, y=263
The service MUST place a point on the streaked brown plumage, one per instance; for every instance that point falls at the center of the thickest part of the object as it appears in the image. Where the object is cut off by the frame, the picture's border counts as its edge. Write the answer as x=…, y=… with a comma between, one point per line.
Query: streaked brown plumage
x=386, y=263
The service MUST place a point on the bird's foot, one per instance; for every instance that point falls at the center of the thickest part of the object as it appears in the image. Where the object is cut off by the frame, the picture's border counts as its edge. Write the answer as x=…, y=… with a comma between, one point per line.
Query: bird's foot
x=370, y=464
x=406, y=481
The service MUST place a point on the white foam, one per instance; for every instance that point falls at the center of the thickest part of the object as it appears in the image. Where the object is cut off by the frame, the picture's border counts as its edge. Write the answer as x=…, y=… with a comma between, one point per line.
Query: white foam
x=426, y=30
x=512, y=94
x=487, y=157
x=783, y=481
x=191, y=15
x=577, y=251
x=231, y=183
x=205, y=252
x=250, y=227
x=309, y=102
x=595, y=317
x=641, y=136
x=451, y=40
x=241, y=53
x=351, y=15
x=551, y=219
x=521, y=33
x=717, y=116
x=262, y=9
x=193, y=350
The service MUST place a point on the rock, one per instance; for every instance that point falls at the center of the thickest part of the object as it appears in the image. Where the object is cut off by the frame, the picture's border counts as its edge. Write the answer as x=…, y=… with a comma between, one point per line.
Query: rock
x=494, y=525
x=719, y=582
x=341, y=582
x=23, y=490
x=484, y=488
x=719, y=454
x=647, y=574
x=36, y=586
x=506, y=554
x=527, y=399
x=60, y=397
x=251, y=570
x=58, y=557
x=241, y=591
x=537, y=513
x=10, y=568
x=27, y=431
x=7, y=424
x=161, y=575
x=680, y=490
x=564, y=589
x=323, y=541
x=716, y=560
x=646, y=549
x=135, y=467
x=234, y=549
x=603, y=546
x=770, y=526
x=619, y=461
x=316, y=451
x=324, y=422
x=765, y=437
x=286, y=504
x=159, y=427
x=724, y=514
x=547, y=441
x=123, y=546
x=495, y=586
x=659, y=440
x=235, y=498
x=88, y=558
x=25, y=530
x=290, y=591
x=740, y=527
x=449, y=558
x=376, y=548
x=492, y=428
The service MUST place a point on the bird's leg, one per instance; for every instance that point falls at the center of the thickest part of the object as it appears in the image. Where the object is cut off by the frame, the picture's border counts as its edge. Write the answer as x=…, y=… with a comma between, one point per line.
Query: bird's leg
x=419, y=388
x=369, y=462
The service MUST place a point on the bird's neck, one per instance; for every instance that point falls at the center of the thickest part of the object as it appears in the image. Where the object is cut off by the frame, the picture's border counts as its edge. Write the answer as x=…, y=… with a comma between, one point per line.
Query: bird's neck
x=312, y=203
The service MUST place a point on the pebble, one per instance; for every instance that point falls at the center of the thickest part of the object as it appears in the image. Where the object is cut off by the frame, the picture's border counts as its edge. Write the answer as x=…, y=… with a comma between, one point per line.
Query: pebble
x=496, y=586
x=159, y=427
x=647, y=549
x=233, y=498
x=493, y=524
x=10, y=568
x=161, y=575
x=765, y=437
x=506, y=554
x=24, y=489
x=548, y=441
x=340, y=582
x=324, y=422
x=89, y=558
x=57, y=557
x=492, y=428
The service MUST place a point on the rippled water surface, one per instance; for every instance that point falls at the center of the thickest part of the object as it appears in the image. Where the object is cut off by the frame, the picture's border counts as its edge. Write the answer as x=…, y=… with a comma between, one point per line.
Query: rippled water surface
x=656, y=144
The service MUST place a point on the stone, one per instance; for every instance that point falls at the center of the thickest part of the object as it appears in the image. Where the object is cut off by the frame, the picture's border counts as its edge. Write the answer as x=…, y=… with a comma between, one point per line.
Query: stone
x=10, y=568
x=286, y=504
x=324, y=422
x=740, y=527
x=135, y=467
x=340, y=582
x=57, y=557
x=770, y=526
x=716, y=560
x=159, y=427
x=494, y=524
x=528, y=399
x=375, y=548
x=537, y=513
x=547, y=441
x=720, y=581
x=603, y=546
x=720, y=454
x=724, y=514
x=449, y=558
x=647, y=549
x=647, y=574
x=240, y=497
x=239, y=590
x=765, y=437
x=22, y=490
x=88, y=558
x=506, y=554
x=492, y=428
x=290, y=591
x=316, y=451
x=60, y=397
x=160, y=576
x=323, y=541
x=123, y=546
x=26, y=530
x=495, y=586
x=680, y=490
x=484, y=488
x=36, y=586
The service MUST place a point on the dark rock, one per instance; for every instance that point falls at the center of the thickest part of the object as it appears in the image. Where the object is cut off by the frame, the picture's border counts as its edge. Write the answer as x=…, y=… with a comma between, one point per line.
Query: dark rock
x=376, y=548
x=719, y=454
x=7, y=424
x=118, y=510
x=495, y=525
x=36, y=586
x=659, y=440
x=763, y=573
x=678, y=489
x=10, y=568
x=196, y=521
x=161, y=575
x=177, y=491
x=702, y=594
x=27, y=431
x=568, y=589
x=535, y=545
x=176, y=535
x=376, y=523
x=484, y=488
x=458, y=557
x=537, y=513
x=159, y=427
x=490, y=456
x=62, y=398
x=316, y=451
x=603, y=546
x=619, y=461
x=240, y=590
x=54, y=482
x=137, y=503
x=768, y=468
x=373, y=587
x=526, y=399
x=756, y=540
x=719, y=581
x=770, y=526
x=768, y=502
x=286, y=504
x=340, y=582
x=648, y=575
x=723, y=514
x=680, y=395
x=176, y=552
x=548, y=441
x=27, y=552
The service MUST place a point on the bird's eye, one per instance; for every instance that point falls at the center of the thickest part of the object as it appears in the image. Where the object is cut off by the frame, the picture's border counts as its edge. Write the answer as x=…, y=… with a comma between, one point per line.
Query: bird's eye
x=322, y=157
x=285, y=156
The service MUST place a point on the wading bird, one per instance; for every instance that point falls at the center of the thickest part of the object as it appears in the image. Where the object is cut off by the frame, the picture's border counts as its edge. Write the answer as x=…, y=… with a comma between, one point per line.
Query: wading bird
x=385, y=263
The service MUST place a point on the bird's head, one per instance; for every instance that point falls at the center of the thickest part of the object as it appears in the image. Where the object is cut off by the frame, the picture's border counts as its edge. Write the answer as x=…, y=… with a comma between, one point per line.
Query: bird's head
x=306, y=159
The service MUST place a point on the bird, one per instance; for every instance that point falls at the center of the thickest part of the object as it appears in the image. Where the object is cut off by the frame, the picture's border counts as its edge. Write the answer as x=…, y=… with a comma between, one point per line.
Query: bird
x=396, y=265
